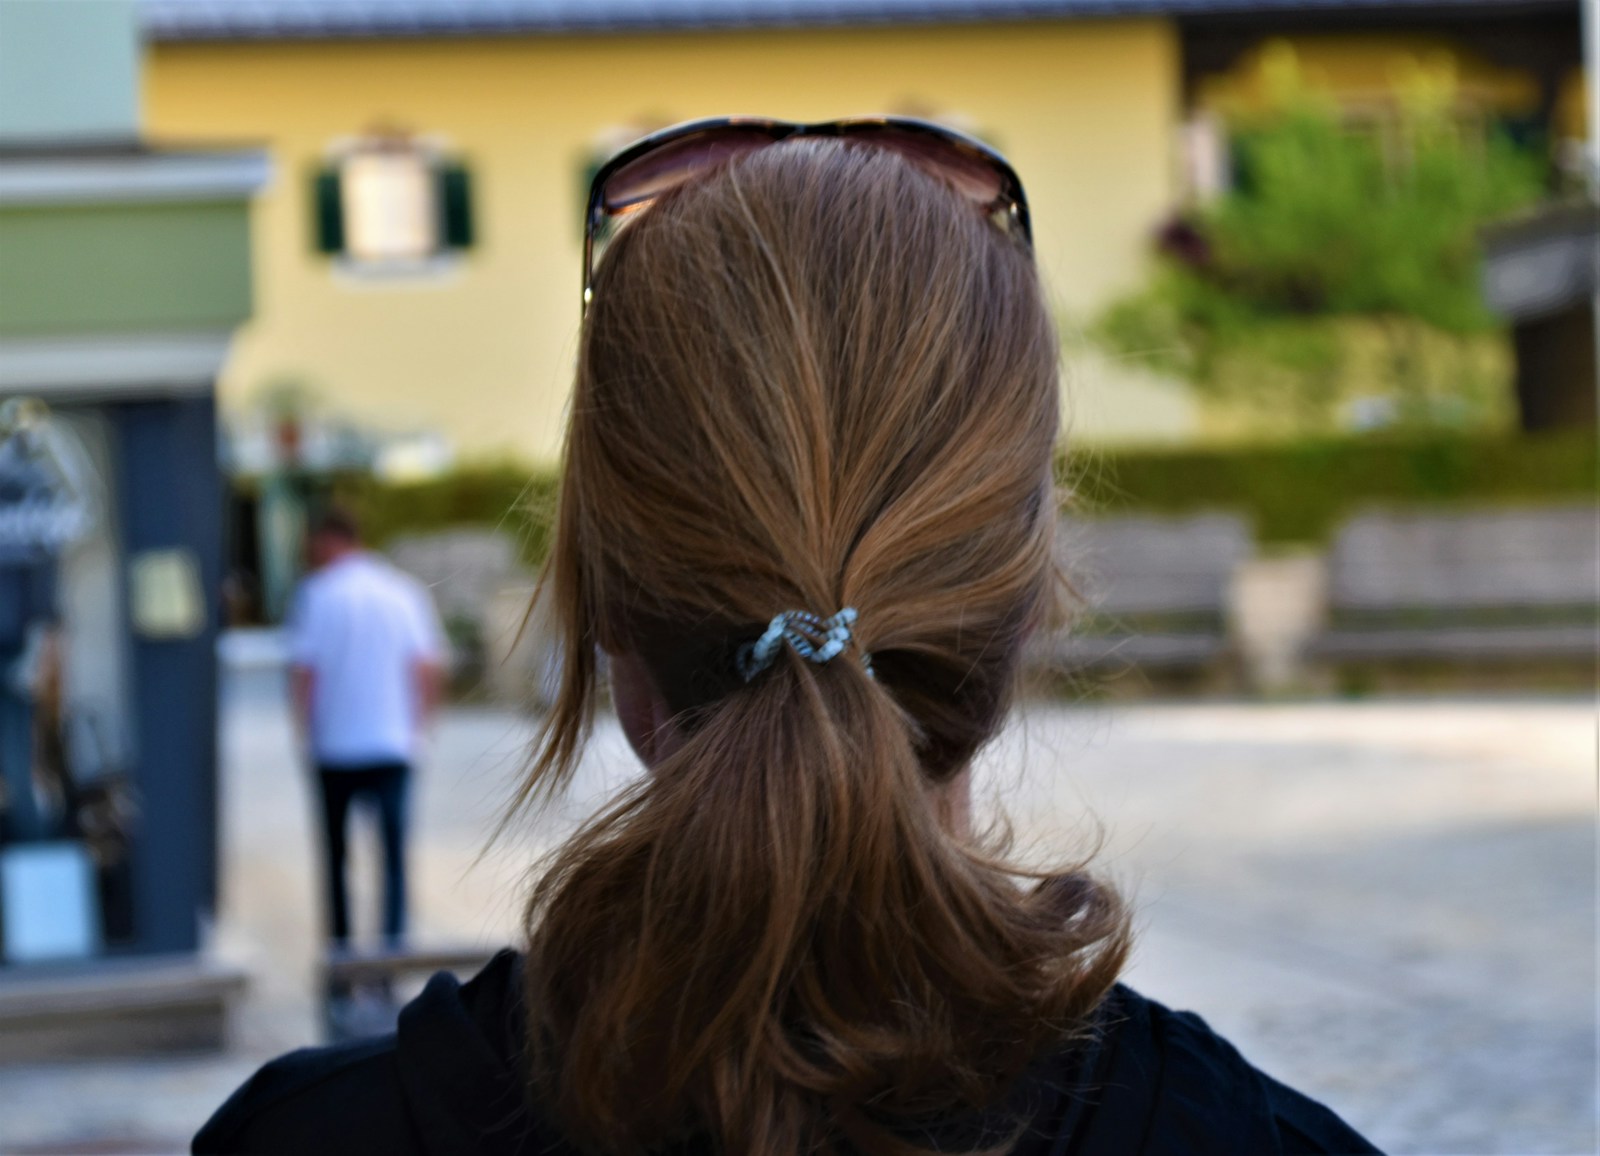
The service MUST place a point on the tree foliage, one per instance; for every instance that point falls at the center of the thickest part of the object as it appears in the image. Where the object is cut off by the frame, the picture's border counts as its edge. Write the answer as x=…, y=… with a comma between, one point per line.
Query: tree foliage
x=1334, y=232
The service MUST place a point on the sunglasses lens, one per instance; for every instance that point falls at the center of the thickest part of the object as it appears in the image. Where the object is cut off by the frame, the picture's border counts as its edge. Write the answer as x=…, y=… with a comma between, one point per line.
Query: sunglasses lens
x=973, y=172
x=973, y=175
x=674, y=163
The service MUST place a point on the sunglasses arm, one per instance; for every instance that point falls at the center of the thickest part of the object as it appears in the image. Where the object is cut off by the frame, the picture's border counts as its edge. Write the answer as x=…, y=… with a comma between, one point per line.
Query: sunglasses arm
x=588, y=264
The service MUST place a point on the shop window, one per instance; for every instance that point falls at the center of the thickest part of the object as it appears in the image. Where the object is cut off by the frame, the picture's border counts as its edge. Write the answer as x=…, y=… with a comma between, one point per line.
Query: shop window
x=390, y=203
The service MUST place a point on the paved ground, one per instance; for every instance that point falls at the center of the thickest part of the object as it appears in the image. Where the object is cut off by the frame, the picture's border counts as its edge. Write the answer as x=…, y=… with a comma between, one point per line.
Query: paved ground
x=1391, y=905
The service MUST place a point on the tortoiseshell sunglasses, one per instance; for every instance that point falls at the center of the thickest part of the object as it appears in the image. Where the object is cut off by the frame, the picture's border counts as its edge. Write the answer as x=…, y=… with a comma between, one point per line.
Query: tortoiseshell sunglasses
x=664, y=160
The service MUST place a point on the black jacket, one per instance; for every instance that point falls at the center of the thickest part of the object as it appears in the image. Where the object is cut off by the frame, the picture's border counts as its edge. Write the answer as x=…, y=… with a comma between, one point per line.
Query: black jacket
x=1155, y=1083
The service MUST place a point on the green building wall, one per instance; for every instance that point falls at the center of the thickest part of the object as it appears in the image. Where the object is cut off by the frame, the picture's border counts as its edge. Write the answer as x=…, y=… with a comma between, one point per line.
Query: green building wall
x=116, y=268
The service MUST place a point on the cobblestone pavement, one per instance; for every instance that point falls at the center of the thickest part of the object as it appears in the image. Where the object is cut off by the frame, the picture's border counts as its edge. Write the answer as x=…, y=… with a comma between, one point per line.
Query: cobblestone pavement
x=1389, y=904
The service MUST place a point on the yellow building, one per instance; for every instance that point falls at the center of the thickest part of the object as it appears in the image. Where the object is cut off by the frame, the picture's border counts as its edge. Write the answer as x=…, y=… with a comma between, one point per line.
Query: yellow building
x=513, y=101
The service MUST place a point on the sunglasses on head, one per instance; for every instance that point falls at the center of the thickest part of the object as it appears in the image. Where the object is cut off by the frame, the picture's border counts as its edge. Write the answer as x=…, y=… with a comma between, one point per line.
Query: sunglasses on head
x=665, y=160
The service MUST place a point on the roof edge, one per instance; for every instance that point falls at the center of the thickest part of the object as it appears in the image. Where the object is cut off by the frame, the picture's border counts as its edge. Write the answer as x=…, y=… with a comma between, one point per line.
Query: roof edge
x=264, y=20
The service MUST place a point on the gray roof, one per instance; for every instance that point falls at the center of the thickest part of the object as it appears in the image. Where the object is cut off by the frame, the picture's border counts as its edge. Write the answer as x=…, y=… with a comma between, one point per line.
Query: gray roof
x=329, y=19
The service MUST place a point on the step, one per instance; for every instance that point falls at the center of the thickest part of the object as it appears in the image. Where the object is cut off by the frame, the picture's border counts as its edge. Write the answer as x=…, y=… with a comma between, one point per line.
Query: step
x=115, y=1007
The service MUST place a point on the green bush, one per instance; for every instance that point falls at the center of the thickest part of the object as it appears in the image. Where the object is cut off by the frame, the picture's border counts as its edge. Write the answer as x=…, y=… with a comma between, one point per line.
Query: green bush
x=1336, y=234
x=1302, y=492
x=504, y=495
x=1291, y=493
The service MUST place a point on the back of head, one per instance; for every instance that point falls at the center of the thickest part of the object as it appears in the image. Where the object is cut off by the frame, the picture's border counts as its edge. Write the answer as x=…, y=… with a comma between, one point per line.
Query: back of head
x=334, y=532
x=815, y=378
x=337, y=522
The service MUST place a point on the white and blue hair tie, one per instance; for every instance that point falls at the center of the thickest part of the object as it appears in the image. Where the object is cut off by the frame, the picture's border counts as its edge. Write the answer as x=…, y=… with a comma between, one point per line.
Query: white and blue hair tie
x=814, y=639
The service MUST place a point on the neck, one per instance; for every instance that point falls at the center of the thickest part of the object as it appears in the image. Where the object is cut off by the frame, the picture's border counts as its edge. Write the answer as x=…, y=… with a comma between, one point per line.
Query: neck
x=952, y=802
x=338, y=554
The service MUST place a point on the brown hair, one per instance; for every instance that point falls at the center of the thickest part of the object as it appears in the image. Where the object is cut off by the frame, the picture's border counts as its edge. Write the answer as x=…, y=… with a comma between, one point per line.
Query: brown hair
x=337, y=521
x=815, y=378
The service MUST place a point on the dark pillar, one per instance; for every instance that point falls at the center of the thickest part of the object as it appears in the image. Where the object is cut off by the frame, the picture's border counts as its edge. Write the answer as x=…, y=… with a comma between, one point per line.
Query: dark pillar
x=1556, y=368
x=171, y=498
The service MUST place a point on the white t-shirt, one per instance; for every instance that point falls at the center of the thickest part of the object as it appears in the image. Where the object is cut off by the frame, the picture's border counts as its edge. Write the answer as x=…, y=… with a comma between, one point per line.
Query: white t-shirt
x=362, y=627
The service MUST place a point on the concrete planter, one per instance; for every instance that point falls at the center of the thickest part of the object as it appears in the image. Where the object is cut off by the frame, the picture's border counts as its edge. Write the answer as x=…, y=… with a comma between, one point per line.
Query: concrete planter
x=1277, y=606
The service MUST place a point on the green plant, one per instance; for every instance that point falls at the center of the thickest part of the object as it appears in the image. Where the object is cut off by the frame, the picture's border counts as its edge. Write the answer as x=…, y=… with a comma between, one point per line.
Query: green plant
x=1336, y=234
x=1301, y=492
x=507, y=495
x=1295, y=492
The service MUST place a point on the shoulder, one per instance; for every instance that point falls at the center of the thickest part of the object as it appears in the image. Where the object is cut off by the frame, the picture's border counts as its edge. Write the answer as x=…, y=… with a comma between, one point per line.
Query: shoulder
x=378, y=573
x=309, y=590
x=324, y=587
x=1163, y=1081
x=343, y=1099
x=307, y=620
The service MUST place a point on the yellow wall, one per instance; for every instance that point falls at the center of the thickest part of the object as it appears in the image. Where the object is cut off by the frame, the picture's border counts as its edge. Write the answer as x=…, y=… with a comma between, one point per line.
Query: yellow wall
x=1085, y=110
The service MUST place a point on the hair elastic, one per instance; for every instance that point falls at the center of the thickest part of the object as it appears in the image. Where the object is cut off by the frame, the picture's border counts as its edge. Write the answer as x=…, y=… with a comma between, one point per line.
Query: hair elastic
x=814, y=639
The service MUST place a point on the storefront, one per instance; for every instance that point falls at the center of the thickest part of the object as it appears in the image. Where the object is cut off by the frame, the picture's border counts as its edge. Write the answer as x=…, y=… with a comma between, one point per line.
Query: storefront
x=126, y=271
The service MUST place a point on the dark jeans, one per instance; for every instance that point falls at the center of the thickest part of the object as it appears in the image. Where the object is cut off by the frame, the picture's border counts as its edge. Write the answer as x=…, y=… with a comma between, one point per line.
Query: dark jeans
x=384, y=786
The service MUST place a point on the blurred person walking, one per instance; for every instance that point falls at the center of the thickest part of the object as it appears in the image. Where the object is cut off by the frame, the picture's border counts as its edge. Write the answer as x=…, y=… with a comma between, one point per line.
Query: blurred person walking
x=366, y=655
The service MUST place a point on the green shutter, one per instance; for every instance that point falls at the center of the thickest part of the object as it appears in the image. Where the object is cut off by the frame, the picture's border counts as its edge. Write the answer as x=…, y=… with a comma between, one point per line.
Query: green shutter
x=455, y=207
x=327, y=211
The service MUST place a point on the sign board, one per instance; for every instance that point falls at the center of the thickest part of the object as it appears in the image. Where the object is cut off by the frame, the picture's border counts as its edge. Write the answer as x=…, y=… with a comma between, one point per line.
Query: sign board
x=164, y=596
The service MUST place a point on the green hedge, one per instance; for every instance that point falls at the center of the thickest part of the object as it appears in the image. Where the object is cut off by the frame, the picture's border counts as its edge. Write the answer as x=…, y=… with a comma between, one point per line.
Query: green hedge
x=1293, y=493
x=506, y=495
x=1300, y=493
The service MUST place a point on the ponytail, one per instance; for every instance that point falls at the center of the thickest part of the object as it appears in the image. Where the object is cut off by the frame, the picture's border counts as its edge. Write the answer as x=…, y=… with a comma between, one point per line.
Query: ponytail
x=773, y=938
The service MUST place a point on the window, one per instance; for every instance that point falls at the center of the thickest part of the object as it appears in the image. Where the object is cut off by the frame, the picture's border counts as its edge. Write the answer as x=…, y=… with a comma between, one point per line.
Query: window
x=392, y=204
